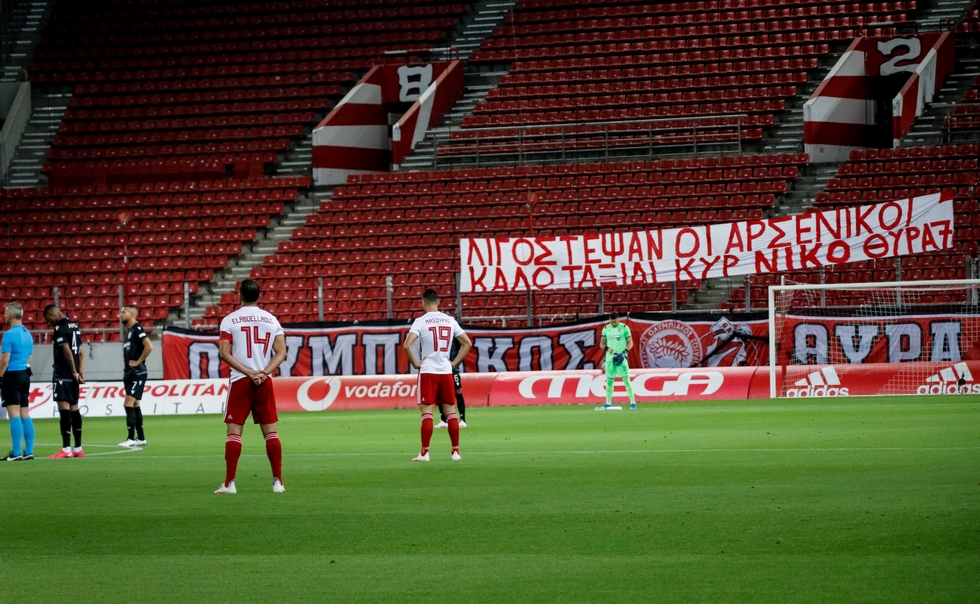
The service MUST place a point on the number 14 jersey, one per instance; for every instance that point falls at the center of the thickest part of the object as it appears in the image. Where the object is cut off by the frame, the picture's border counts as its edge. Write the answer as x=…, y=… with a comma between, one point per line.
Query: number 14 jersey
x=436, y=332
x=251, y=331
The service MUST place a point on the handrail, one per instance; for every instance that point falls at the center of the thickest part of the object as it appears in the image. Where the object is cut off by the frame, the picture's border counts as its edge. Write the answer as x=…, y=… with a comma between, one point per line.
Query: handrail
x=549, y=138
x=607, y=123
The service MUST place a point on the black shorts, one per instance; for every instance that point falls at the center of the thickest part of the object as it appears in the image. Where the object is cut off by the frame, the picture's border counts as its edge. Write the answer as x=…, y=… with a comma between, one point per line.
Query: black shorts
x=16, y=389
x=65, y=391
x=134, y=381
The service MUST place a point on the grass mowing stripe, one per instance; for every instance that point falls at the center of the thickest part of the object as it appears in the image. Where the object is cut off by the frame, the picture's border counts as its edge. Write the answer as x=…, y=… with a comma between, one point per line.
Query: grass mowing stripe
x=870, y=500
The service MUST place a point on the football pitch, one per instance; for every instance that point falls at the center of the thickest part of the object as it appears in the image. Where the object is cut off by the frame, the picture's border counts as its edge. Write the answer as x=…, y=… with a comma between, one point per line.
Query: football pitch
x=843, y=500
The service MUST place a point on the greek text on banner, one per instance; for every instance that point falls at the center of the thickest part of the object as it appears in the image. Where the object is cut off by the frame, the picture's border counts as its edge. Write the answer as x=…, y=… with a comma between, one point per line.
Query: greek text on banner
x=784, y=243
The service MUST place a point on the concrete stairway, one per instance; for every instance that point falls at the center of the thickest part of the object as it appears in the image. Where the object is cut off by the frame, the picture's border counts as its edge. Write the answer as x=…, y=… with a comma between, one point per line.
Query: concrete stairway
x=936, y=15
x=927, y=129
x=786, y=135
x=49, y=106
x=267, y=242
x=298, y=161
x=479, y=80
x=476, y=26
x=24, y=32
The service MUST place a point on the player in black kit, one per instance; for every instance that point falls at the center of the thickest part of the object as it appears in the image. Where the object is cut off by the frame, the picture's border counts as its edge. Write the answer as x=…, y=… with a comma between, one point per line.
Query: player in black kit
x=136, y=347
x=458, y=386
x=69, y=363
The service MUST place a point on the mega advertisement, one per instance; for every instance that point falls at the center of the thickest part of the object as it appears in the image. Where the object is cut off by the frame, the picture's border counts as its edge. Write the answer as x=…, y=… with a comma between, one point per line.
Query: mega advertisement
x=348, y=349
x=785, y=243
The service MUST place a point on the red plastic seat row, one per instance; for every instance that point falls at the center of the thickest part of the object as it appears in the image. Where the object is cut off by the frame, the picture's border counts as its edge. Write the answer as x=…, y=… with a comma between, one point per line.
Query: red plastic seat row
x=907, y=166
x=290, y=36
x=257, y=112
x=242, y=186
x=197, y=81
x=965, y=151
x=245, y=165
x=541, y=10
x=708, y=25
x=272, y=99
x=626, y=80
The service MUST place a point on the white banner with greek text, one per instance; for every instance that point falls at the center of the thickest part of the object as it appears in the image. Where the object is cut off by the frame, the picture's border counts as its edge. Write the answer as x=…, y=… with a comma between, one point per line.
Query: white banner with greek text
x=784, y=243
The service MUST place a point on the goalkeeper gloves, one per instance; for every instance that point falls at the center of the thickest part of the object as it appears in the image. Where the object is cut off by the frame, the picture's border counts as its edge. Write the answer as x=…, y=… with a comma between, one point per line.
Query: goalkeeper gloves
x=618, y=358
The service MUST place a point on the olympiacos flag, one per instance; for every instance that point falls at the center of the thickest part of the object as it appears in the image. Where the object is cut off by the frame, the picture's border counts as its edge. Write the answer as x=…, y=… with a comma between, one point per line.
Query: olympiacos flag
x=785, y=243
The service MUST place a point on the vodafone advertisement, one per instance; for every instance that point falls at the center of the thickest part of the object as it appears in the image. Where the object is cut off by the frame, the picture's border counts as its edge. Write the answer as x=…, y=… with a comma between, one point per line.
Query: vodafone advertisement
x=786, y=243
x=105, y=399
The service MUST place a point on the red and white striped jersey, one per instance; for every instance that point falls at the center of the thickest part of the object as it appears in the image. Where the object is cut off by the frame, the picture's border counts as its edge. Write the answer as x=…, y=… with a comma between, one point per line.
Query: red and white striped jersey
x=436, y=332
x=251, y=332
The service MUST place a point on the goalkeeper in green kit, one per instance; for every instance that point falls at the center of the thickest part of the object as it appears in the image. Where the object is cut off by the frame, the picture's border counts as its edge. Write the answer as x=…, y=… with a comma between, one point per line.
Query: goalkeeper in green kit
x=616, y=340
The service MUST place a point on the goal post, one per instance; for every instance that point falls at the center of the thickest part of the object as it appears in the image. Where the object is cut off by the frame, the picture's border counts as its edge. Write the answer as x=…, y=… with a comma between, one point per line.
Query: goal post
x=927, y=330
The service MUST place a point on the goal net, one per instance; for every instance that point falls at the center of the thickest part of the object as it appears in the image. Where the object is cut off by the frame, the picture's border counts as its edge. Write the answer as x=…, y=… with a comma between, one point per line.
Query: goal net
x=874, y=338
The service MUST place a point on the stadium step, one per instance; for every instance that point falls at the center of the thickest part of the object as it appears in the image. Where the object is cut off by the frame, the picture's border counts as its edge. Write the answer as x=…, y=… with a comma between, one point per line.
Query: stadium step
x=477, y=25
x=468, y=37
x=48, y=107
x=928, y=127
x=298, y=161
x=939, y=13
x=23, y=32
x=266, y=244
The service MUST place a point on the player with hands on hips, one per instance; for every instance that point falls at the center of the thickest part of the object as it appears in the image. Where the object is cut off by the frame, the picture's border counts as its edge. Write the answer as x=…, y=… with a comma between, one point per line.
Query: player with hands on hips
x=435, y=332
x=616, y=340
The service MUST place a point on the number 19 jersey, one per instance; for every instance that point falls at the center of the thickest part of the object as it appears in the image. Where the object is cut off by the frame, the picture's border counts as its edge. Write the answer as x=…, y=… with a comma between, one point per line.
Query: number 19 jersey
x=251, y=331
x=436, y=332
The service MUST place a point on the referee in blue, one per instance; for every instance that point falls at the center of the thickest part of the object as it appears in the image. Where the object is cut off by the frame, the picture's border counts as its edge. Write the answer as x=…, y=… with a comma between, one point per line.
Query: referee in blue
x=16, y=348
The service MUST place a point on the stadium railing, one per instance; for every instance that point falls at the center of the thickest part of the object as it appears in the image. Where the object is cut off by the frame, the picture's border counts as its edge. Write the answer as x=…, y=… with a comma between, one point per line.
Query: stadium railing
x=497, y=145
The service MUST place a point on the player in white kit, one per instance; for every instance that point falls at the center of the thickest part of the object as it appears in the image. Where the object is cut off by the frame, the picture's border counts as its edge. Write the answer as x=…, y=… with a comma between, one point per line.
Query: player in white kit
x=435, y=332
x=253, y=345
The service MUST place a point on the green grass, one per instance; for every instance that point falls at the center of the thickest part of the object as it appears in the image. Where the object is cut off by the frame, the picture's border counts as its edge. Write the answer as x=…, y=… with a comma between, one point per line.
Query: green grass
x=860, y=500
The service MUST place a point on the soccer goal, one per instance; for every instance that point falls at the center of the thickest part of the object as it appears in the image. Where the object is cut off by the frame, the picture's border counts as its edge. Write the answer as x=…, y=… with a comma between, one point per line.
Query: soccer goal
x=873, y=338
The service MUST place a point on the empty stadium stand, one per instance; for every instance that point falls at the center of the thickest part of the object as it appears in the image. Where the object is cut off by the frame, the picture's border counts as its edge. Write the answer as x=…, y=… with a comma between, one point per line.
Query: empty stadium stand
x=179, y=112
x=577, y=62
x=408, y=226
x=186, y=90
x=73, y=238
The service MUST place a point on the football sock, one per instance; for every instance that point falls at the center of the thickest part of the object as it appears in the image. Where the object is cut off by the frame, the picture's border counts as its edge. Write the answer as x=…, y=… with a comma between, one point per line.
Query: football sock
x=461, y=406
x=454, y=430
x=76, y=428
x=16, y=434
x=28, y=435
x=233, y=450
x=426, y=432
x=65, y=420
x=629, y=389
x=139, y=423
x=130, y=423
x=610, y=384
x=273, y=448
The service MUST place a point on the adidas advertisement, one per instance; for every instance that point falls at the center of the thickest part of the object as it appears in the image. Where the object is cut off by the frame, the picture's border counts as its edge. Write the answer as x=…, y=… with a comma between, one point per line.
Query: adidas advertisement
x=822, y=383
x=952, y=380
